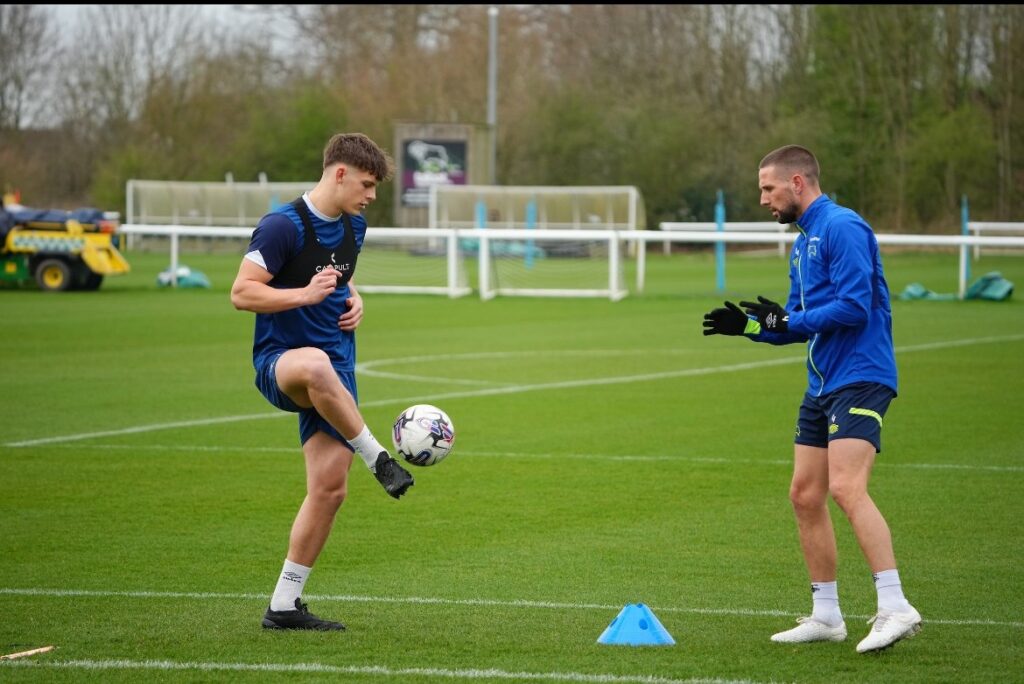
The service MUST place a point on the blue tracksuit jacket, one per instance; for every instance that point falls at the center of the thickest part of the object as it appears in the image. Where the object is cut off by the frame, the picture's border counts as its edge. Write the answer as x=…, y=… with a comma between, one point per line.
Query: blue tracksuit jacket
x=838, y=301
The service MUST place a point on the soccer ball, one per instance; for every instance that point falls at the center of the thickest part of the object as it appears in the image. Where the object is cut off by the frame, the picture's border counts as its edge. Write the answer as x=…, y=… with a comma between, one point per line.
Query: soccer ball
x=423, y=434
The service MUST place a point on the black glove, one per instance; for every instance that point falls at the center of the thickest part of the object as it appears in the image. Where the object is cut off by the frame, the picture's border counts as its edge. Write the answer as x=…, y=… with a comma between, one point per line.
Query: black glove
x=769, y=314
x=725, y=321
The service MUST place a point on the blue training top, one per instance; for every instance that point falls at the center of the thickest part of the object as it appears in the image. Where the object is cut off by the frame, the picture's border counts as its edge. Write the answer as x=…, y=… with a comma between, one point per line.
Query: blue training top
x=278, y=238
x=838, y=301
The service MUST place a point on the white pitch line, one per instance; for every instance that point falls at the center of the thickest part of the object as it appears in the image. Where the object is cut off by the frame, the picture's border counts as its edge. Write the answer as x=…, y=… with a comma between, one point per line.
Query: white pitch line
x=491, y=603
x=948, y=344
x=880, y=463
x=545, y=456
x=380, y=670
x=507, y=389
x=145, y=428
x=369, y=368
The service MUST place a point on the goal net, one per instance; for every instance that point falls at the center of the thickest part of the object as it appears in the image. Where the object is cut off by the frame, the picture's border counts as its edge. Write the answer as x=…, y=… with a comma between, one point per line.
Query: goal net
x=209, y=217
x=202, y=204
x=412, y=261
x=541, y=240
x=516, y=241
x=188, y=203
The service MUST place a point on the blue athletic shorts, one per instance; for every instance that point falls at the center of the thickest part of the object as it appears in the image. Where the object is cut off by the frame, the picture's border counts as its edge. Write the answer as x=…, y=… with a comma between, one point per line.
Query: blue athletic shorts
x=310, y=422
x=854, y=411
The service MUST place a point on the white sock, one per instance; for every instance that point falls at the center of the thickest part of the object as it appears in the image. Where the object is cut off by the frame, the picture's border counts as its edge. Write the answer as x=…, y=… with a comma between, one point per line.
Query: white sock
x=289, y=586
x=367, y=446
x=826, y=603
x=890, y=591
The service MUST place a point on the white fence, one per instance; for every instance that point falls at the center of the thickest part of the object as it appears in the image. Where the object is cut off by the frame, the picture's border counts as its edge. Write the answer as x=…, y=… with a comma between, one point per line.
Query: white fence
x=615, y=288
x=979, y=227
x=454, y=287
x=749, y=226
x=961, y=241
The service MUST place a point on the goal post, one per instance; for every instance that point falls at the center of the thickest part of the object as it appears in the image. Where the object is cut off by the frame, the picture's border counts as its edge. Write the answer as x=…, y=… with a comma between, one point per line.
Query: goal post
x=542, y=241
x=551, y=263
x=203, y=216
x=412, y=261
x=531, y=241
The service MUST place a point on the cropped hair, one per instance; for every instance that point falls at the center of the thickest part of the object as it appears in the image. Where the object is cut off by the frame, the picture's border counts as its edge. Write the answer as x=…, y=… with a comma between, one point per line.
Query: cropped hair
x=359, y=151
x=793, y=158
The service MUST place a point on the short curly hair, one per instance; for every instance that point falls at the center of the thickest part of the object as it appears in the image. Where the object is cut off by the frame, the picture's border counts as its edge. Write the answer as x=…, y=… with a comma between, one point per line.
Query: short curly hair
x=361, y=152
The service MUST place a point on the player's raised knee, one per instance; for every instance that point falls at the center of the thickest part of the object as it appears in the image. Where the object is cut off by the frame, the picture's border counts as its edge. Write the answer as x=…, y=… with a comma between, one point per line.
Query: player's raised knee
x=307, y=363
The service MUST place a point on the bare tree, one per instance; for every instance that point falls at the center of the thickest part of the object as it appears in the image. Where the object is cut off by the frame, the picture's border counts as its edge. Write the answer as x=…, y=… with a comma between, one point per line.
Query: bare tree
x=26, y=51
x=1006, y=41
x=121, y=53
x=118, y=55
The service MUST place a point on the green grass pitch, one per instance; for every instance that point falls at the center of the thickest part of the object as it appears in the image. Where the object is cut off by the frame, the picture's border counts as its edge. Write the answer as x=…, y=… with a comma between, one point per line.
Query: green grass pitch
x=607, y=453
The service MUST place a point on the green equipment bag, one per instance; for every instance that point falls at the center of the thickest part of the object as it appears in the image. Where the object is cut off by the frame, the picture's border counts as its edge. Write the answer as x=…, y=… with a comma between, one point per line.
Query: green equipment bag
x=919, y=291
x=992, y=286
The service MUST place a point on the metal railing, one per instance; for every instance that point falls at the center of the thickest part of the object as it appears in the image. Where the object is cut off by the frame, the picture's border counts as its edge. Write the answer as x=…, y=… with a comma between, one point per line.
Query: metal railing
x=615, y=289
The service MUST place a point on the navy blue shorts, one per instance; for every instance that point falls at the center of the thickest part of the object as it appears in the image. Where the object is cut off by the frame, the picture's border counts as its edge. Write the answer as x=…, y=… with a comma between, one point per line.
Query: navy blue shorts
x=854, y=411
x=310, y=422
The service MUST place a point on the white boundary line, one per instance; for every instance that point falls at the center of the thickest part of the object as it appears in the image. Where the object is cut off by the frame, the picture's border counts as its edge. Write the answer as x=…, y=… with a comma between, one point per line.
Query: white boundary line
x=505, y=389
x=881, y=463
x=434, y=397
x=369, y=368
x=144, y=428
x=380, y=670
x=493, y=603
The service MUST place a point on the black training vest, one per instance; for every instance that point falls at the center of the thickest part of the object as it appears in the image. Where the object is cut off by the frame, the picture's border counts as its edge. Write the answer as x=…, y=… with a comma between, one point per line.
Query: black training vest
x=314, y=257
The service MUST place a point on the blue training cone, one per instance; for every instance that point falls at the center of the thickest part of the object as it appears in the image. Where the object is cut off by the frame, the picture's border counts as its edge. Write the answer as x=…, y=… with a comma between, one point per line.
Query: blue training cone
x=636, y=625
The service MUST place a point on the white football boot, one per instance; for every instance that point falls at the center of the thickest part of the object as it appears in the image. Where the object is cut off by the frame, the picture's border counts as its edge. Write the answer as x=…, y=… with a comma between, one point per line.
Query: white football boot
x=810, y=629
x=889, y=628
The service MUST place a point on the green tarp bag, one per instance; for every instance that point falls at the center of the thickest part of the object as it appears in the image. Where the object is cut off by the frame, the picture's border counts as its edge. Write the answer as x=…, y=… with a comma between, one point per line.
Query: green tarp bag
x=992, y=286
x=919, y=291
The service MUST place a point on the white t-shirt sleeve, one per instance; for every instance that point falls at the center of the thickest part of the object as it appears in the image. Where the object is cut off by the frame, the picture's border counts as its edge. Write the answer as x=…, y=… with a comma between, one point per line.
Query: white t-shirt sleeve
x=257, y=258
x=273, y=242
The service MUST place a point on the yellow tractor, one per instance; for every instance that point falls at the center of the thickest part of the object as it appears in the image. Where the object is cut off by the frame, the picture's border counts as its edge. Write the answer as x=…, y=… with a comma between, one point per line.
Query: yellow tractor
x=60, y=250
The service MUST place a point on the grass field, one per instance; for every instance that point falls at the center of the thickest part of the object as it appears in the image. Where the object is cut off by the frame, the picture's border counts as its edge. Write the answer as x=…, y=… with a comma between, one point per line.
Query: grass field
x=607, y=454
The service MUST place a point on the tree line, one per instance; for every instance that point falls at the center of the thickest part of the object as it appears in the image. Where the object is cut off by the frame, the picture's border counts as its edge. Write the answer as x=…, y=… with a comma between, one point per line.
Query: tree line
x=908, y=107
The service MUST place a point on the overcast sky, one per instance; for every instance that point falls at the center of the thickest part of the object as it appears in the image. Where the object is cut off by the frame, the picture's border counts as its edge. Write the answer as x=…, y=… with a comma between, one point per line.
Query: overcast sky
x=228, y=18
x=226, y=15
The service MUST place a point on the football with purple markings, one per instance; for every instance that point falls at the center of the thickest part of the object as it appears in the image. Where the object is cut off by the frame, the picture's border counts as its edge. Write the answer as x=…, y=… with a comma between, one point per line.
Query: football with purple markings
x=423, y=434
